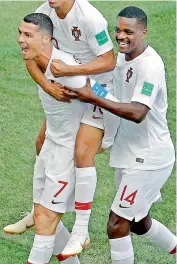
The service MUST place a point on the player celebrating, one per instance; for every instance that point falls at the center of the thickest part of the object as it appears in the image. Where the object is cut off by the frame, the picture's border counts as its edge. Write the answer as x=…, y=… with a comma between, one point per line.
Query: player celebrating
x=143, y=153
x=54, y=174
x=85, y=36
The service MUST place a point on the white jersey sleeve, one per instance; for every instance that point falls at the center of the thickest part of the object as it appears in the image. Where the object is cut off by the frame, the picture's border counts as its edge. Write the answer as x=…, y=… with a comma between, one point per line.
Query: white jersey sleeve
x=97, y=35
x=148, y=82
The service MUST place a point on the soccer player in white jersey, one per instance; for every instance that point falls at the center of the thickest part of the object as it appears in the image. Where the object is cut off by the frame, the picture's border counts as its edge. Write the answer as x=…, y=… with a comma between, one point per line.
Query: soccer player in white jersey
x=143, y=152
x=54, y=174
x=79, y=29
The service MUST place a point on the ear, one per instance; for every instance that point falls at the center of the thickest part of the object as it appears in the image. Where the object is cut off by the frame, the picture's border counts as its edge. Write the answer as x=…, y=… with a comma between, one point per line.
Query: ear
x=46, y=39
x=144, y=33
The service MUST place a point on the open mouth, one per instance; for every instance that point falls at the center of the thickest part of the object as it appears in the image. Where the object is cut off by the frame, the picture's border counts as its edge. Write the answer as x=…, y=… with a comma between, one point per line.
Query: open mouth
x=24, y=49
x=123, y=44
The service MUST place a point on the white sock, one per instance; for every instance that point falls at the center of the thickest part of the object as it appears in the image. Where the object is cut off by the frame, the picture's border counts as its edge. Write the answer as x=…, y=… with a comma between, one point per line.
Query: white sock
x=86, y=179
x=161, y=235
x=42, y=249
x=61, y=239
x=122, y=250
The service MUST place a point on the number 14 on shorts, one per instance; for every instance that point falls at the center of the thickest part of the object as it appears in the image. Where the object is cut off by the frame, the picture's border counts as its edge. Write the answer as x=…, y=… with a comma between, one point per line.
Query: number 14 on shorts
x=128, y=198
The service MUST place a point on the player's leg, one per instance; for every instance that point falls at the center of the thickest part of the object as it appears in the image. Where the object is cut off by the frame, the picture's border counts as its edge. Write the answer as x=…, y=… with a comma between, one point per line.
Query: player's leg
x=27, y=221
x=156, y=232
x=53, y=183
x=45, y=227
x=120, y=240
x=132, y=202
x=61, y=238
x=152, y=229
x=88, y=142
x=119, y=224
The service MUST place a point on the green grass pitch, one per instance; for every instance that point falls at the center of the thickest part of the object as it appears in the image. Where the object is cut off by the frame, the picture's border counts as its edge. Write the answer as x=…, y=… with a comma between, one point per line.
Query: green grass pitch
x=21, y=117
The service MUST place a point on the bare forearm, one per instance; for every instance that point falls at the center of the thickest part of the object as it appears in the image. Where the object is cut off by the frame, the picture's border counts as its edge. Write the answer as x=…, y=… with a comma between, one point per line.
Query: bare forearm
x=131, y=111
x=96, y=66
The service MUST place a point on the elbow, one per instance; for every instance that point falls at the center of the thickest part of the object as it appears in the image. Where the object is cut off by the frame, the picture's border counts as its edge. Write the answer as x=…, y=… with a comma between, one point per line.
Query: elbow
x=138, y=118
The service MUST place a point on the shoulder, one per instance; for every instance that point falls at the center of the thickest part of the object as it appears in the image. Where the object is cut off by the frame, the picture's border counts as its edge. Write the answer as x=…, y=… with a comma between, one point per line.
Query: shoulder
x=64, y=56
x=44, y=8
x=89, y=15
x=150, y=61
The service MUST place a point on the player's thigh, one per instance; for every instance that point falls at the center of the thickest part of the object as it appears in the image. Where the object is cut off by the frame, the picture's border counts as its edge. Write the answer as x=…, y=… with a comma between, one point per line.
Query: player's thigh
x=138, y=191
x=60, y=179
x=88, y=141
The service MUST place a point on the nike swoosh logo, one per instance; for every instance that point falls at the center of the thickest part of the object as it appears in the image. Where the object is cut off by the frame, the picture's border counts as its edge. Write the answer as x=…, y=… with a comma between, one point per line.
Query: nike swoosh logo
x=53, y=202
x=96, y=117
x=123, y=206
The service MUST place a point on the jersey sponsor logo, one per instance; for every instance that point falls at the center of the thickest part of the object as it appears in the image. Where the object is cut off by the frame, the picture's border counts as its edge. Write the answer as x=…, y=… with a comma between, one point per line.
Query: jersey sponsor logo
x=123, y=206
x=147, y=88
x=96, y=117
x=139, y=160
x=53, y=202
x=129, y=74
x=101, y=38
x=76, y=33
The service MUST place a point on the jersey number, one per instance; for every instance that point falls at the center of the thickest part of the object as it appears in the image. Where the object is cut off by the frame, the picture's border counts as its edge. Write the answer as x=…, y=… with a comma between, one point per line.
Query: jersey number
x=64, y=184
x=130, y=198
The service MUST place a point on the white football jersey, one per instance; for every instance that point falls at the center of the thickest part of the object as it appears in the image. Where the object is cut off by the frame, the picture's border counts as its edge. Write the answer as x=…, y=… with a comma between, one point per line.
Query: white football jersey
x=148, y=145
x=63, y=119
x=83, y=33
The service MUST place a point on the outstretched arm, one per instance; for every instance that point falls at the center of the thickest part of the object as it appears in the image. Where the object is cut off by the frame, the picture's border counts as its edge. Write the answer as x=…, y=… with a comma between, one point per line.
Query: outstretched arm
x=133, y=111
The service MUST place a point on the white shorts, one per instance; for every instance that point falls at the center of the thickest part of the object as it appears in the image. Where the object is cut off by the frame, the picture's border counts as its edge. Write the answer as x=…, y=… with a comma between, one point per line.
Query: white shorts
x=93, y=116
x=137, y=191
x=54, y=178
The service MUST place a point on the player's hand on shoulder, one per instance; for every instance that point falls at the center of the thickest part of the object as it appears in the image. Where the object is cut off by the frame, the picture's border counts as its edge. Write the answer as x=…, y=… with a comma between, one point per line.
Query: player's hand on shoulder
x=56, y=90
x=85, y=93
x=58, y=68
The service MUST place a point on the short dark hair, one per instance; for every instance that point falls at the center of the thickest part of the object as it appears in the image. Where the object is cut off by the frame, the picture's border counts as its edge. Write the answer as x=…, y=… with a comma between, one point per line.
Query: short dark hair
x=43, y=21
x=134, y=12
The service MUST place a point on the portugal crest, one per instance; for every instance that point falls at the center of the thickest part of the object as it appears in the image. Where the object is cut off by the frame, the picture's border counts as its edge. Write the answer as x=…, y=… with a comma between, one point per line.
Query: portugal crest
x=129, y=74
x=76, y=33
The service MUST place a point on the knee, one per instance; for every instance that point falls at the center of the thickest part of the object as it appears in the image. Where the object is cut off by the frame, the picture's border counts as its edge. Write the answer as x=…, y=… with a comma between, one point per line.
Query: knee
x=84, y=156
x=45, y=221
x=142, y=227
x=117, y=226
